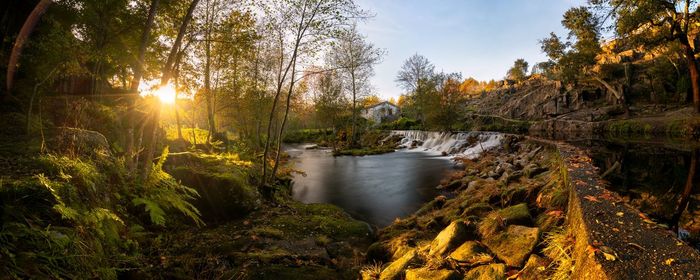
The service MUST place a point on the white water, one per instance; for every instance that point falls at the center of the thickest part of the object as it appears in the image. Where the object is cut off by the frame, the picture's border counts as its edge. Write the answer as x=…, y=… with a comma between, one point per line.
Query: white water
x=461, y=144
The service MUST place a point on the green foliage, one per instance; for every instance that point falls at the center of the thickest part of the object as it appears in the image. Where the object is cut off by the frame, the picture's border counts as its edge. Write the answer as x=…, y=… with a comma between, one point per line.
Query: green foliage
x=403, y=123
x=569, y=61
x=191, y=135
x=72, y=228
x=161, y=192
x=519, y=70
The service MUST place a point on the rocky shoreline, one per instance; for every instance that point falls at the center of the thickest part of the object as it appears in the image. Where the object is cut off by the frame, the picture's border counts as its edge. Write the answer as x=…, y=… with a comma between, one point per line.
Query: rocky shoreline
x=492, y=222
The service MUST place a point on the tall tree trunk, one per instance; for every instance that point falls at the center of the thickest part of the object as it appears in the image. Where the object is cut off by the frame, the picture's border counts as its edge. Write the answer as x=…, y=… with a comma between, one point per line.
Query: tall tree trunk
x=280, y=80
x=177, y=110
x=178, y=42
x=693, y=69
x=284, y=120
x=354, y=109
x=301, y=30
x=22, y=37
x=151, y=144
x=135, y=82
x=207, y=84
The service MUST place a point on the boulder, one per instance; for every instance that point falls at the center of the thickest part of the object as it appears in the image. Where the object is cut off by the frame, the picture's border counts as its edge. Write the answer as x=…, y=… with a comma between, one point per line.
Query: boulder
x=514, y=245
x=378, y=252
x=70, y=140
x=427, y=274
x=496, y=271
x=467, y=252
x=222, y=197
x=514, y=215
x=532, y=170
x=395, y=270
x=451, y=237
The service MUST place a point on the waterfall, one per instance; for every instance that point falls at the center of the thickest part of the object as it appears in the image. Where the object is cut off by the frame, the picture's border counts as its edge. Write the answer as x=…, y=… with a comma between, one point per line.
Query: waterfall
x=459, y=144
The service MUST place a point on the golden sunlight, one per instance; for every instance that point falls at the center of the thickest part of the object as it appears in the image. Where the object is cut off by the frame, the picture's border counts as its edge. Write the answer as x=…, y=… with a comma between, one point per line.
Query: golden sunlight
x=166, y=94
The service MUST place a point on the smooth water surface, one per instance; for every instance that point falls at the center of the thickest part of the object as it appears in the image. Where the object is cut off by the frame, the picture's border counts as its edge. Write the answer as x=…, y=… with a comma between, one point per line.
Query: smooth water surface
x=376, y=189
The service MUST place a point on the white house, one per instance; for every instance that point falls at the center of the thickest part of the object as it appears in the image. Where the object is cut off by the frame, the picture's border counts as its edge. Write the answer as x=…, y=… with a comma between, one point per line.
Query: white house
x=381, y=111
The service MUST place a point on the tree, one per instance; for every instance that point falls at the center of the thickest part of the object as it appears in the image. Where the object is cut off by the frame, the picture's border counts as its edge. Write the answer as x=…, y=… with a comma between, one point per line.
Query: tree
x=651, y=23
x=415, y=77
x=135, y=81
x=165, y=78
x=356, y=58
x=330, y=102
x=571, y=60
x=415, y=69
x=519, y=70
x=299, y=26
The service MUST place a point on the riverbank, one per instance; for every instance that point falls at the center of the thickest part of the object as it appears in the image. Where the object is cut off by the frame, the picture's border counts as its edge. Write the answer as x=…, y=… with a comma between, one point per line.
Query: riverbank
x=529, y=209
x=499, y=217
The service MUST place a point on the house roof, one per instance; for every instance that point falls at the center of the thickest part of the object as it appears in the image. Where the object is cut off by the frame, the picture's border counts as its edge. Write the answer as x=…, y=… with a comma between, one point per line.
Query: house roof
x=381, y=103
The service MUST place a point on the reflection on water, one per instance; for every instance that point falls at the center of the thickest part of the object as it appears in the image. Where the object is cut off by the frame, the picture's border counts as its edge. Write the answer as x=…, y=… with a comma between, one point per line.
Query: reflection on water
x=376, y=189
x=658, y=178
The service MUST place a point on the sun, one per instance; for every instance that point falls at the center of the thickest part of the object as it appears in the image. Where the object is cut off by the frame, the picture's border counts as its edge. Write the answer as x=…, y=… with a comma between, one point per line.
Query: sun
x=166, y=94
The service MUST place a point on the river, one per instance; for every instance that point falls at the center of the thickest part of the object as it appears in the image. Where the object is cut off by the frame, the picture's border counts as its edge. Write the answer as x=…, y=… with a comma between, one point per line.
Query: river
x=376, y=189
x=649, y=174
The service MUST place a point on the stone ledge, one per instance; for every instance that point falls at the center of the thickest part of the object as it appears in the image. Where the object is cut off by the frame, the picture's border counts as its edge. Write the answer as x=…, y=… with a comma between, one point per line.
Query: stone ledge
x=600, y=222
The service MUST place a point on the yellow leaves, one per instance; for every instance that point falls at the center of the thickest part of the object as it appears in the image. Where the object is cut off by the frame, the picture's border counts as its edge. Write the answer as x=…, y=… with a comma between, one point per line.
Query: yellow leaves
x=599, y=248
x=609, y=257
x=670, y=261
x=646, y=219
x=620, y=214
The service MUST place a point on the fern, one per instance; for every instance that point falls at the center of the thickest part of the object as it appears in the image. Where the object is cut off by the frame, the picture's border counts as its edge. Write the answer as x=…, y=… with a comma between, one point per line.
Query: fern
x=154, y=211
x=162, y=192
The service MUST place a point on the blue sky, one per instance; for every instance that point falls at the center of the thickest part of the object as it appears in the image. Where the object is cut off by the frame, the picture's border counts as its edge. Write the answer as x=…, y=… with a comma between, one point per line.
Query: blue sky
x=479, y=38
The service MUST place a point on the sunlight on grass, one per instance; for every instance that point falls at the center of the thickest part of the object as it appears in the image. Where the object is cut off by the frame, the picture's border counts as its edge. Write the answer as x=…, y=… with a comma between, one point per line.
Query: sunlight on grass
x=188, y=134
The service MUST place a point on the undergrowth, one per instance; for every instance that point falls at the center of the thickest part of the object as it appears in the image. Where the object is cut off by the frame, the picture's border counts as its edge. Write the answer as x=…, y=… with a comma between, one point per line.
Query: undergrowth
x=74, y=220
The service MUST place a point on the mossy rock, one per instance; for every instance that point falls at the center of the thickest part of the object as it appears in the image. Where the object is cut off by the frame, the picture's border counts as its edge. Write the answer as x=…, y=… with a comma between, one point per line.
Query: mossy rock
x=320, y=219
x=428, y=274
x=496, y=271
x=496, y=220
x=378, y=252
x=396, y=270
x=436, y=203
x=451, y=237
x=477, y=209
x=467, y=252
x=514, y=245
x=222, y=197
x=516, y=215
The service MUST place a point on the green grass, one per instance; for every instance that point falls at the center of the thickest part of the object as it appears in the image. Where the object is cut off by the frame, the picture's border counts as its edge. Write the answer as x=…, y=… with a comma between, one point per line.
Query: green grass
x=188, y=134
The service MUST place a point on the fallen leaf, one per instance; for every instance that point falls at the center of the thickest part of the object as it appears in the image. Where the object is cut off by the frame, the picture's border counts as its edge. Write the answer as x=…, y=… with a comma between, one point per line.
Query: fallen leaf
x=609, y=257
x=670, y=261
x=555, y=213
x=620, y=214
x=590, y=198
